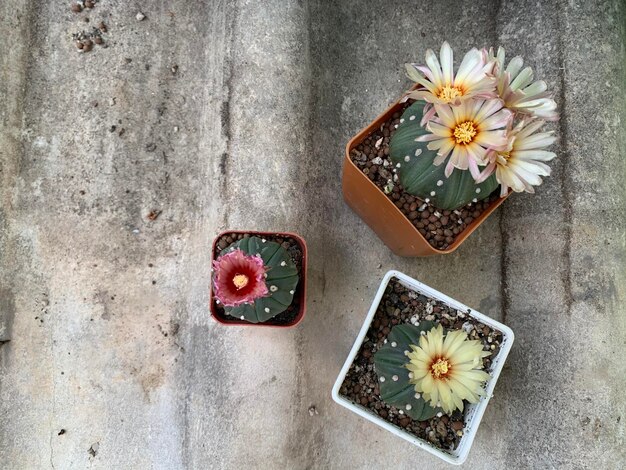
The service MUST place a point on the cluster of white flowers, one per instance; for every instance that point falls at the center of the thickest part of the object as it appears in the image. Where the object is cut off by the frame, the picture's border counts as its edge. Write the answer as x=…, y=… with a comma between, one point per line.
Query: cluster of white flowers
x=485, y=117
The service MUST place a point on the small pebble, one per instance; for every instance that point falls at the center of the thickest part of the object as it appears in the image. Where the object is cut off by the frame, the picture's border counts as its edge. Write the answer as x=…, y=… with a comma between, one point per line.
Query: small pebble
x=140, y=16
x=456, y=425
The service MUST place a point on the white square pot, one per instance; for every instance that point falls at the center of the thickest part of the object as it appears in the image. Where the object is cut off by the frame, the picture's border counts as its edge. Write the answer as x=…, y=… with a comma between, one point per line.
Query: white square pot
x=472, y=414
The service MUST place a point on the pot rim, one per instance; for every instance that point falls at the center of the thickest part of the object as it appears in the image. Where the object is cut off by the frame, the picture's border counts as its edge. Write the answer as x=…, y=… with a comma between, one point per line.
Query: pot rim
x=473, y=414
x=302, y=282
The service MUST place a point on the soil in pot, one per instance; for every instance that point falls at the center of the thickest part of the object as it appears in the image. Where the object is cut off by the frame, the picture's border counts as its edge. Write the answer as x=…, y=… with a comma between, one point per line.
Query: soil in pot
x=295, y=251
x=400, y=305
x=439, y=227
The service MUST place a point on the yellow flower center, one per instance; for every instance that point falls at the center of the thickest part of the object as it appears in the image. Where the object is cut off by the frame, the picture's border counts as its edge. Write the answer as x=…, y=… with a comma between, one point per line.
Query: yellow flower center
x=465, y=132
x=448, y=93
x=440, y=368
x=240, y=281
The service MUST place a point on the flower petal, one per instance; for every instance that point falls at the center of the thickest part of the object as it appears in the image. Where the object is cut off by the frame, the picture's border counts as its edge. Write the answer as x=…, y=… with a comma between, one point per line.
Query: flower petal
x=447, y=65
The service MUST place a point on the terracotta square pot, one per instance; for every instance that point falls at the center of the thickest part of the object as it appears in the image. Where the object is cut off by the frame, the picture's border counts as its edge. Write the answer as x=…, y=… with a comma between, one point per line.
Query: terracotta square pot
x=299, y=295
x=380, y=213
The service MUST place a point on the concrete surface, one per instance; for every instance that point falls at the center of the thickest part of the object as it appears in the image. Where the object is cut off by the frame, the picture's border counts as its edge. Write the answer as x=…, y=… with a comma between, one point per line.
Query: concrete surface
x=104, y=329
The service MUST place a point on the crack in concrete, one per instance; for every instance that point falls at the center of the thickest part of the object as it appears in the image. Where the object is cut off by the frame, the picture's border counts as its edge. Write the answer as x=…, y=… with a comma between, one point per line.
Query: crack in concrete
x=225, y=112
x=54, y=394
x=565, y=183
x=505, y=301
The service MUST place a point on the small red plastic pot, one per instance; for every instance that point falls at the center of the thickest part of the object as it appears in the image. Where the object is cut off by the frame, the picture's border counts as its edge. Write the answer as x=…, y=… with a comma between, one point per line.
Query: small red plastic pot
x=299, y=296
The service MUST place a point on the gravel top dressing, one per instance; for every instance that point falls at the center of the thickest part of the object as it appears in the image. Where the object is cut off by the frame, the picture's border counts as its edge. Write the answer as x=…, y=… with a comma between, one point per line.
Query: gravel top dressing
x=439, y=227
x=400, y=305
x=295, y=251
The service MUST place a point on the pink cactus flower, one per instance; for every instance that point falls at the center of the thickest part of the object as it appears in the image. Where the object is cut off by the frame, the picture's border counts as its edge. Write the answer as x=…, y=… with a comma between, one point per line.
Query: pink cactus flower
x=239, y=278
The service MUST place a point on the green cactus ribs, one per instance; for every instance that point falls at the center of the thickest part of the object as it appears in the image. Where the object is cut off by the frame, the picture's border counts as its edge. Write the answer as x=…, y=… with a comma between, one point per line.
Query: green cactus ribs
x=393, y=376
x=282, y=258
x=421, y=177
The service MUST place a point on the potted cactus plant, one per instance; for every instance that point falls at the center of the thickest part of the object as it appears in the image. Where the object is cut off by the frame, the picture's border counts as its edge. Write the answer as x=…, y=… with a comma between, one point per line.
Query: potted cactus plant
x=430, y=169
x=424, y=367
x=259, y=278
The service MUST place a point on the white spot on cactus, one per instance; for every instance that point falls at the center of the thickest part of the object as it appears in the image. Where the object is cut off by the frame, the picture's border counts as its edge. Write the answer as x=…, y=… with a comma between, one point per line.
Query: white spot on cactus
x=401, y=120
x=283, y=263
x=417, y=396
x=242, y=317
x=398, y=165
x=412, y=118
x=401, y=412
x=408, y=406
x=406, y=353
x=395, y=378
x=217, y=301
x=440, y=183
x=418, y=152
x=407, y=158
x=393, y=344
x=432, y=193
x=410, y=375
x=477, y=190
x=382, y=379
x=422, y=333
x=273, y=288
x=474, y=200
x=263, y=240
x=267, y=310
x=291, y=292
x=440, y=414
x=427, y=200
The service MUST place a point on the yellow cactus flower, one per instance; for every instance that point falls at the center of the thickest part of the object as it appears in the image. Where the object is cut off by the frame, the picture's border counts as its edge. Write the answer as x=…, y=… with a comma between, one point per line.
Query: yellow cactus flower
x=446, y=369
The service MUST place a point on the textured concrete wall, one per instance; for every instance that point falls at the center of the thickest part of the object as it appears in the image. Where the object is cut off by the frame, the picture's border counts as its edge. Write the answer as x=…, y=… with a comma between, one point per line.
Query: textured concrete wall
x=104, y=329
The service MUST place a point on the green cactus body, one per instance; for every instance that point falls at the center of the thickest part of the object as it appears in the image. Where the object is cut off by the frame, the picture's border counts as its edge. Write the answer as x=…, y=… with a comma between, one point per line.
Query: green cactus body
x=393, y=376
x=282, y=279
x=420, y=177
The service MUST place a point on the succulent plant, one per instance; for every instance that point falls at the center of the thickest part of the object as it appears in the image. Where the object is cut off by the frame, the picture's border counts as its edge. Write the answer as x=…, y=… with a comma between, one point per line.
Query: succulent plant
x=255, y=279
x=480, y=120
x=421, y=177
x=394, y=378
x=422, y=369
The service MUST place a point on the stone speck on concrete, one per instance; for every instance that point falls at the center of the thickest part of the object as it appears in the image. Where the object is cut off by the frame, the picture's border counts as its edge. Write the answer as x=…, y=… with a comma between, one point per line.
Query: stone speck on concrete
x=250, y=134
